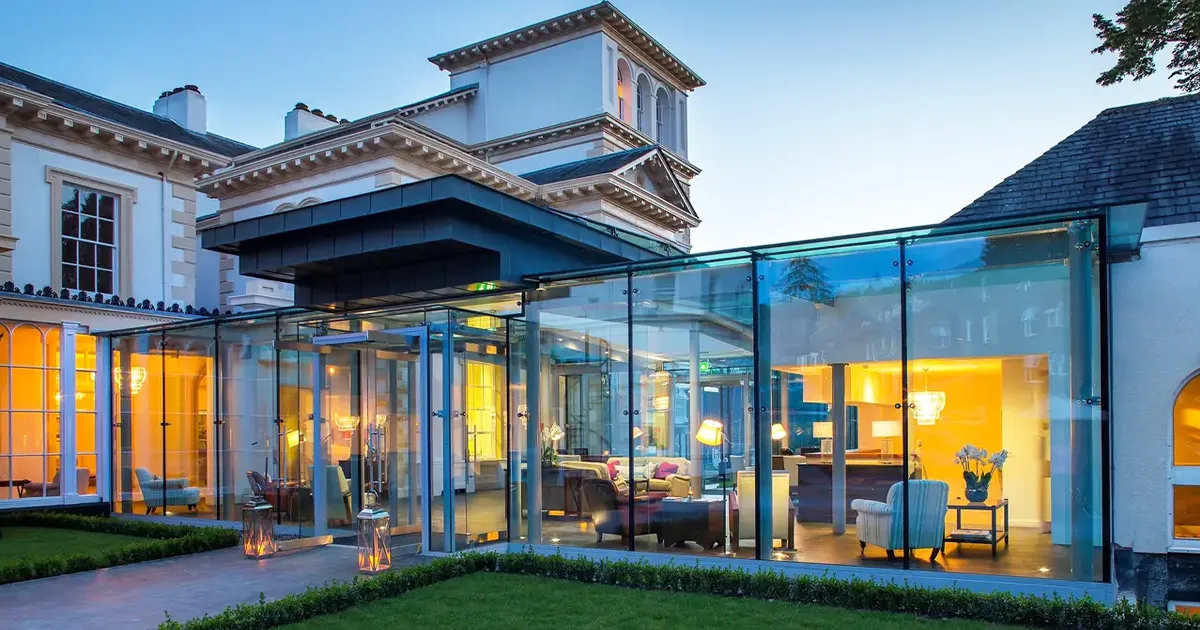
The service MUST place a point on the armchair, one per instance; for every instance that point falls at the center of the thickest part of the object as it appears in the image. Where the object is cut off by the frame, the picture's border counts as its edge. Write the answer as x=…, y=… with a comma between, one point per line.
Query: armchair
x=162, y=493
x=882, y=524
x=610, y=509
x=742, y=509
x=54, y=489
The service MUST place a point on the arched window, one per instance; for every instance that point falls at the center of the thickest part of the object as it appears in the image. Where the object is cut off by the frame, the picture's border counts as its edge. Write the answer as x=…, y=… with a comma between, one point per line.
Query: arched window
x=624, y=92
x=662, y=111
x=644, y=94
x=1186, y=460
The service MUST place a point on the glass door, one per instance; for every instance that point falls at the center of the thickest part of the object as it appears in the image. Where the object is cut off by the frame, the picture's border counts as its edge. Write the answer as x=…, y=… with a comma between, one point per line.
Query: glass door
x=393, y=437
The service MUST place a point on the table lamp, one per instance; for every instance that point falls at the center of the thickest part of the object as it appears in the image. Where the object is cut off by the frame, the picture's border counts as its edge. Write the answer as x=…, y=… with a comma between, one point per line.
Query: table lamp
x=886, y=429
x=824, y=431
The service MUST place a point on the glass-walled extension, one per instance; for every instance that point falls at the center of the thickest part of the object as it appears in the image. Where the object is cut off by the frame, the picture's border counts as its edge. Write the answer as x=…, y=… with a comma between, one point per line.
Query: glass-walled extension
x=927, y=400
x=320, y=415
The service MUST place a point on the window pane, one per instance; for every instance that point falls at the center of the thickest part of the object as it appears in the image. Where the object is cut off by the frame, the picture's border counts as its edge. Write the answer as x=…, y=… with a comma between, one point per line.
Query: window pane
x=1187, y=425
x=85, y=433
x=70, y=198
x=27, y=434
x=87, y=462
x=108, y=206
x=68, y=250
x=89, y=230
x=104, y=257
x=27, y=389
x=106, y=232
x=1187, y=511
x=87, y=254
x=89, y=203
x=87, y=279
x=70, y=224
x=27, y=346
x=29, y=468
x=70, y=277
x=104, y=281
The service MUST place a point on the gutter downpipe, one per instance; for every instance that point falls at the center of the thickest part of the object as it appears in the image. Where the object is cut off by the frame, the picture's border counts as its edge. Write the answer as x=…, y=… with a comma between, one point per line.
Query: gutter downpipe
x=162, y=180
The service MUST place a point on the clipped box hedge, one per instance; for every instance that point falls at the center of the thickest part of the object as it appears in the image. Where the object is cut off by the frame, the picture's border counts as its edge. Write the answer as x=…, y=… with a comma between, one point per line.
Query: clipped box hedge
x=163, y=541
x=1024, y=610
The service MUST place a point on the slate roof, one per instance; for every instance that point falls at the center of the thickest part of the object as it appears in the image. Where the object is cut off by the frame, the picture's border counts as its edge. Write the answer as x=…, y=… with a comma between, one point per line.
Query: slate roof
x=606, y=163
x=1148, y=152
x=120, y=113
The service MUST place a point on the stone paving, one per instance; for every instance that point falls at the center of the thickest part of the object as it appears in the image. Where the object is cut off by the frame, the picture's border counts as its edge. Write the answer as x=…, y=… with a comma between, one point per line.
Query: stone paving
x=135, y=596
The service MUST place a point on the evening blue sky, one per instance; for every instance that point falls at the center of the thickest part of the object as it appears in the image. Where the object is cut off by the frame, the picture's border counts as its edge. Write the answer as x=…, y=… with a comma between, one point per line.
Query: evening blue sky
x=819, y=118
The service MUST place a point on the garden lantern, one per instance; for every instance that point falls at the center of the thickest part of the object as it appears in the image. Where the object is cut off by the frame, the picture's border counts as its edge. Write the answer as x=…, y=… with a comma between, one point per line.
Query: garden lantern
x=374, y=537
x=258, y=529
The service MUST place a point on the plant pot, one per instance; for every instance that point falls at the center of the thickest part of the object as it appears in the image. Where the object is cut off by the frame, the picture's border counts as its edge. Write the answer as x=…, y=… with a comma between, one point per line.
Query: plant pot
x=977, y=494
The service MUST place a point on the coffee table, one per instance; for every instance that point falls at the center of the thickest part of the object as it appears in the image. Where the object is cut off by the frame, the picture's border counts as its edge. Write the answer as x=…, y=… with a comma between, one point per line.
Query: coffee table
x=701, y=520
x=991, y=536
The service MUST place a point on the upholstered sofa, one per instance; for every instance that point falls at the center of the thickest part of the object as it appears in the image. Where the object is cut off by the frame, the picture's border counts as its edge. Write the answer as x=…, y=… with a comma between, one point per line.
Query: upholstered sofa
x=675, y=484
x=610, y=509
x=54, y=488
x=882, y=524
x=162, y=493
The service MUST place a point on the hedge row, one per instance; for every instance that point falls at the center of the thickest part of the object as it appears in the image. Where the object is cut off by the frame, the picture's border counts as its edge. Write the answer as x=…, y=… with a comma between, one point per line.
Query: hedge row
x=164, y=541
x=1025, y=610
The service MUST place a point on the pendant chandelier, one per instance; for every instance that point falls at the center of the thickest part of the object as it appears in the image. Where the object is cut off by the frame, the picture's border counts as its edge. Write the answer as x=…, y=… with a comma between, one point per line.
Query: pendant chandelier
x=927, y=406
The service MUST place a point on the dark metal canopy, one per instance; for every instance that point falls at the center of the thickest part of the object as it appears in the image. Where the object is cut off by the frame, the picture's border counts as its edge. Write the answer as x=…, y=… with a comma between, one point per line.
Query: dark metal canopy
x=433, y=239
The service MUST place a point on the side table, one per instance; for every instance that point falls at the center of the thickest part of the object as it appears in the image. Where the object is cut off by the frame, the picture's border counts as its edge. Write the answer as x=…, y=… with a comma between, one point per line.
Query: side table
x=991, y=536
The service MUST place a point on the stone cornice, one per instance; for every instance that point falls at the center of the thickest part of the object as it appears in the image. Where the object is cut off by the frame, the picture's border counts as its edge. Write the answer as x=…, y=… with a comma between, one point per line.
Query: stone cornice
x=606, y=123
x=437, y=102
x=25, y=107
x=395, y=136
x=602, y=14
x=618, y=190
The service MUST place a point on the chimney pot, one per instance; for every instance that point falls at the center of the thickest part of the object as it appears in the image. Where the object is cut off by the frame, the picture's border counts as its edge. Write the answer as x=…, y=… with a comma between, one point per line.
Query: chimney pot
x=343, y=121
x=192, y=88
x=331, y=117
x=301, y=106
x=317, y=112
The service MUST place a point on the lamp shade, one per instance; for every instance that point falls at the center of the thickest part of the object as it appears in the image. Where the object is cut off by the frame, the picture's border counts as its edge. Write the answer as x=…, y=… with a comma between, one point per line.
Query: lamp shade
x=823, y=430
x=710, y=433
x=637, y=432
x=778, y=432
x=886, y=428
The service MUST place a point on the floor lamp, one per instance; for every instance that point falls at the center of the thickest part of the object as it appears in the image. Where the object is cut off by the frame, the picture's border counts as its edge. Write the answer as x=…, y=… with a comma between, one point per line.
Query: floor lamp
x=712, y=433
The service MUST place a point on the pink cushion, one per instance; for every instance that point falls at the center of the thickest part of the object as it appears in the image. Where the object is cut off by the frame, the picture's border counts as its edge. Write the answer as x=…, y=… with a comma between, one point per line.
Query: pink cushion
x=664, y=469
x=612, y=470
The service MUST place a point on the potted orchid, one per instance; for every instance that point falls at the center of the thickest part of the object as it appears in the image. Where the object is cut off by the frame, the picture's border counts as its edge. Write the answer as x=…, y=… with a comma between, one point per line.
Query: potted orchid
x=551, y=434
x=978, y=468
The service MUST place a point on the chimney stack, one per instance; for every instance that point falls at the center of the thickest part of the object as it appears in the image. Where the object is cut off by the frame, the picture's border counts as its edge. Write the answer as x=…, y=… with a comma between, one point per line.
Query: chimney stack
x=186, y=106
x=300, y=121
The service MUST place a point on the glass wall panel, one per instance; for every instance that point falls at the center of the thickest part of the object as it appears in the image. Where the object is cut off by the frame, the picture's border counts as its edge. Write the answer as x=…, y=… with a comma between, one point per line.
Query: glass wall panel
x=85, y=411
x=30, y=434
x=246, y=435
x=138, y=437
x=1003, y=346
x=294, y=485
x=189, y=473
x=586, y=490
x=479, y=427
x=693, y=350
x=443, y=476
x=829, y=338
x=518, y=444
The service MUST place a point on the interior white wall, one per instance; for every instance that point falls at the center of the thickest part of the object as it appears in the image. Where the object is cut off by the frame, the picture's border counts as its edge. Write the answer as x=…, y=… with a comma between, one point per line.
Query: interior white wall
x=31, y=219
x=1155, y=303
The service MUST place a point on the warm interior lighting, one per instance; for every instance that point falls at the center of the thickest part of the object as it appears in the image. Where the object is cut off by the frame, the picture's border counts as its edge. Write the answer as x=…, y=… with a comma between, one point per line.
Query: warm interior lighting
x=778, y=432
x=346, y=423
x=710, y=433
x=824, y=431
x=637, y=432
x=927, y=406
x=886, y=429
x=137, y=378
x=293, y=438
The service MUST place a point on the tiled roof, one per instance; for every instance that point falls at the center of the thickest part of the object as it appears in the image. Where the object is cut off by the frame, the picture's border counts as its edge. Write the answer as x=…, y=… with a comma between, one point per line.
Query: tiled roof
x=120, y=113
x=1149, y=152
x=606, y=163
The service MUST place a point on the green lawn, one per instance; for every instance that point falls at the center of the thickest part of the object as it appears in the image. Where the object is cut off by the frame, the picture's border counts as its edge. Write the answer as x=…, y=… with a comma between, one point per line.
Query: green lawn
x=520, y=602
x=35, y=543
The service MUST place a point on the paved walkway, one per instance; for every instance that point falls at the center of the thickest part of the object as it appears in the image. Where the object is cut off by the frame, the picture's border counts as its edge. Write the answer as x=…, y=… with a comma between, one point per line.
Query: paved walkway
x=136, y=596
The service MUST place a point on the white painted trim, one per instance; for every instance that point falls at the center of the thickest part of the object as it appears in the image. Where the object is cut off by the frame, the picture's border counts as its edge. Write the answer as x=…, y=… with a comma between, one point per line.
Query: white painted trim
x=1183, y=545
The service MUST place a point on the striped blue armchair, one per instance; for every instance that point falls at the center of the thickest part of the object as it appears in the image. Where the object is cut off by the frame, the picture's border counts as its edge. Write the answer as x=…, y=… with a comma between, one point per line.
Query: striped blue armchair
x=882, y=524
x=156, y=491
